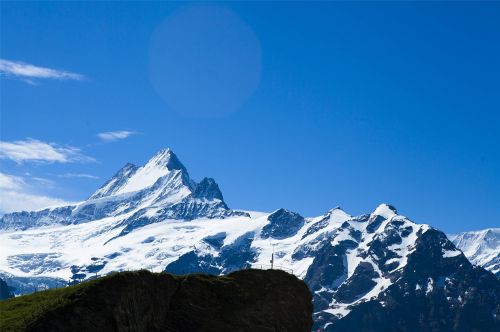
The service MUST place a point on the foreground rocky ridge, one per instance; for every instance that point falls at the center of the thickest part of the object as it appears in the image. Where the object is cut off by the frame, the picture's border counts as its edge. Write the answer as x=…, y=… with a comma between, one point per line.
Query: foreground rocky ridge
x=247, y=300
x=156, y=217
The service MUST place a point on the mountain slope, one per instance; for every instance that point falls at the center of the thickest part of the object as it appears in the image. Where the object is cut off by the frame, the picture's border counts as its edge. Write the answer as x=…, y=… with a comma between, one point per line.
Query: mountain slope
x=161, y=188
x=437, y=290
x=481, y=247
x=175, y=224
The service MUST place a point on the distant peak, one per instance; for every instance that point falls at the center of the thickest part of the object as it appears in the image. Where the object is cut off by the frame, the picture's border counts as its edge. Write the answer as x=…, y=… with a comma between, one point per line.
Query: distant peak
x=282, y=224
x=163, y=152
x=131, y=178
x=335, y=210
x=162, y=156
x=385, y=210
x=337, y=213
x=166, y=158
x=282, y=212
x=208, y=189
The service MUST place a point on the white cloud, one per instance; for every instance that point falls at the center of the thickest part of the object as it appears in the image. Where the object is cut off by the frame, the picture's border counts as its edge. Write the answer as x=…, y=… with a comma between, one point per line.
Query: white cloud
x=111, y=136
x=45, y=182
x=17, y=195
x=10, y=182
x=79, y=175
x=38, y=151
x=28, y=72
x=13, y=201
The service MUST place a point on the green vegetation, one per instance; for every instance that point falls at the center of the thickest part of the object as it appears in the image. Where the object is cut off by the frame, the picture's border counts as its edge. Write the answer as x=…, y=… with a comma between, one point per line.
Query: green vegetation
x=17, y=313
x=245, y=300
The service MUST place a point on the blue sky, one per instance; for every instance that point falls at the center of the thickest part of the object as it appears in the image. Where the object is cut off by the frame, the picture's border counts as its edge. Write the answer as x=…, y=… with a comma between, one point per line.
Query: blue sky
x=299, y=105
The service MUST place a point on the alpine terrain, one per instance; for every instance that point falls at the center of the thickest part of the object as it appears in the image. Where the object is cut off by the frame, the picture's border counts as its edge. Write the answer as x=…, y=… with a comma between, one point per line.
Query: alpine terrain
x=481, y=247
x=375, y=272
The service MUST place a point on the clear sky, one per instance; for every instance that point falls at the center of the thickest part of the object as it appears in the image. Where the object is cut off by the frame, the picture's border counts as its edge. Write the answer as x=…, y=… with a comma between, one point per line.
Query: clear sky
x=298, y=105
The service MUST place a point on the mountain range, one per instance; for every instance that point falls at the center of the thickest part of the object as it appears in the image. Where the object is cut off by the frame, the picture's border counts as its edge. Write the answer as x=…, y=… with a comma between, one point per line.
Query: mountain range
x=375, y=272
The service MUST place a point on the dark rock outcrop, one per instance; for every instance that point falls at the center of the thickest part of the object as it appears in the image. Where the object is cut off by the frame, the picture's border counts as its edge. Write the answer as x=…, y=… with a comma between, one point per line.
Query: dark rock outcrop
x=432, y=293
x=5, y=290
x=208, y=189
x=282, y=224
x=247, y=300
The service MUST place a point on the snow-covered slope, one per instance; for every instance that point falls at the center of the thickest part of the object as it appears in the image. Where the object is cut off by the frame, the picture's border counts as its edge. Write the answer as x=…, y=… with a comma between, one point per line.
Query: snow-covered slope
x=156, y=217
x=481, y=247
x=160, y=189
x=132, y=178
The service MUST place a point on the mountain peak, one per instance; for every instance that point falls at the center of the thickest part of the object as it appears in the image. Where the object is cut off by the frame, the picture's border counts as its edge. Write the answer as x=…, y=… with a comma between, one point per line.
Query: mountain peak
x=337, y=214
x=208, y=189
x=282, y=224
x=166, y=158
x=162, y=154
x=132, y=178
x=116, y=182
x=162, y=163
x=385, y=210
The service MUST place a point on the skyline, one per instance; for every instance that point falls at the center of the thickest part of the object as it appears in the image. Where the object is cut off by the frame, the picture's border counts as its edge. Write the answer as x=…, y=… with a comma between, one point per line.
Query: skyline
x=347, y=110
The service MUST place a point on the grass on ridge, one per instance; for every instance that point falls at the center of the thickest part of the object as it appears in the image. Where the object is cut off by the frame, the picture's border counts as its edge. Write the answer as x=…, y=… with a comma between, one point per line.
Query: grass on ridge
x=17, y=313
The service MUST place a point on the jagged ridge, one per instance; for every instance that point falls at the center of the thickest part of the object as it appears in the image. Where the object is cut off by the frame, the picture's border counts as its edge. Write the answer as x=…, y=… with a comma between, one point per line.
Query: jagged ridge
x=161, y=189
x=174, y=224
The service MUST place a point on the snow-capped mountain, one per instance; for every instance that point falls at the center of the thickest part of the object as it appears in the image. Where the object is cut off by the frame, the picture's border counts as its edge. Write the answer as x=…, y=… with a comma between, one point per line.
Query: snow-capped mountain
x=156, y=217
x=160, y=189
x=481, y=248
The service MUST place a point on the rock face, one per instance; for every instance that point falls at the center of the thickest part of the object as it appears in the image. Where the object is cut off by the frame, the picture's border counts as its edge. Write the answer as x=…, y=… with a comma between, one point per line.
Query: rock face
x=432, y=293
x=382, y=272
x=247, y=300
x=282, y=224
x=5, y=291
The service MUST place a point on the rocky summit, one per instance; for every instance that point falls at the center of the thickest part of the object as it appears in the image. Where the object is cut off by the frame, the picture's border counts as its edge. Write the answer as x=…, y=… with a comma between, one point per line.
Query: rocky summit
x=379, y=271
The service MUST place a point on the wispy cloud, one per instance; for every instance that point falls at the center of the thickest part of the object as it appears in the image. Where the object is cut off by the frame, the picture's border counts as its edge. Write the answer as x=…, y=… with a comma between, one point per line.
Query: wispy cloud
x=111, y=136
x=79, y=175
x=18, y=195
x=45, y=182
x=32, y=150
x=10, y=182
x=28, y=72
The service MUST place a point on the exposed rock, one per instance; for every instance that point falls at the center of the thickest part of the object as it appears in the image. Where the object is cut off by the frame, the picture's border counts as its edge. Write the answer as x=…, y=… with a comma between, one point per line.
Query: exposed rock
x=5, y=291
x=434, y=292
x=282, y=224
